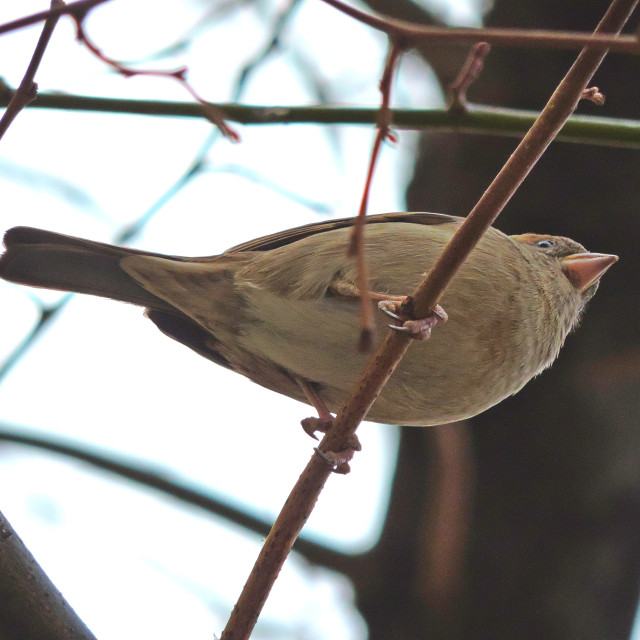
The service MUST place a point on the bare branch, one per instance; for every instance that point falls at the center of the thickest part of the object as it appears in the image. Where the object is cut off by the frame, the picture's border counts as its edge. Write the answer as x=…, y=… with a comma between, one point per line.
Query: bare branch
x=32, y=608
x=28, y=89
x=209, y=110
x=412, y=34
x=75, y=8
x=356, y=247
x=380, y=367
x=499, y=121
x=469, y=73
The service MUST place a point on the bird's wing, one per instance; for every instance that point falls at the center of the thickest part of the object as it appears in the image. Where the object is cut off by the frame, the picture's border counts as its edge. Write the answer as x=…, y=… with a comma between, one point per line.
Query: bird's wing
x=282, y=238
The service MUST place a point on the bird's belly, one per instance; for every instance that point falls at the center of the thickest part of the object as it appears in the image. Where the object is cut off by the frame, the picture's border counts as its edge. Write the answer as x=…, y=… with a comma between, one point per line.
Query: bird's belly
x=458, y=373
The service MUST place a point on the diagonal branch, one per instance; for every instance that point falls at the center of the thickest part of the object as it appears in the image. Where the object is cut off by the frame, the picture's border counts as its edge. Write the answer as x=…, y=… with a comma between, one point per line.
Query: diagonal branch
x=32, y=608
x=305, y=493
x=74, y=8
x=28, y=89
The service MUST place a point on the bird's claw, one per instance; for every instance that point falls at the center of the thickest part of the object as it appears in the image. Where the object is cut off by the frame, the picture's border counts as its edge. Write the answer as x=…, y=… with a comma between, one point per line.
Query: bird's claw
x=388, y=311
x=418, y=329
x=311, y=425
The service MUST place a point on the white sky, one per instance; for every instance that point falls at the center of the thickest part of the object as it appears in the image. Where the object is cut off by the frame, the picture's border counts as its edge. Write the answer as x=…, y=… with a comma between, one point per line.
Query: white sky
x=133, y=563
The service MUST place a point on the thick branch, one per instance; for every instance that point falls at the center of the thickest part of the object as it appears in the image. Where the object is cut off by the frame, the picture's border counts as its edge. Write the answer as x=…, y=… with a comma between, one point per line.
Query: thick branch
x=613, y=132
x=32, y=608
x=380, y=367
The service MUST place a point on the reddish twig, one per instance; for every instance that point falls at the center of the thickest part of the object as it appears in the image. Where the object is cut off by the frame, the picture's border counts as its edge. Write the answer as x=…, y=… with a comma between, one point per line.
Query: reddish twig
x=211, y=112
x=305, y=493
x=356, y=245
x=469, y=73
x=28, y=89
x=77, y=8
x=414, y=34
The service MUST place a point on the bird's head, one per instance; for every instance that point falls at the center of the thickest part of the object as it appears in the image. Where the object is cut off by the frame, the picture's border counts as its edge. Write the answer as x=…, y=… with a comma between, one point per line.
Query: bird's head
x=582, y=268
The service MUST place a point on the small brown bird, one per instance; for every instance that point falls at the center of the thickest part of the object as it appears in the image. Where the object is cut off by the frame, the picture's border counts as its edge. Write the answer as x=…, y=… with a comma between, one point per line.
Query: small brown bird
x=283, y=309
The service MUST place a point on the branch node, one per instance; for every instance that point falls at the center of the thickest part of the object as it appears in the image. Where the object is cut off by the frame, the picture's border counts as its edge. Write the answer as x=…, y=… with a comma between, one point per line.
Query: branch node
x=594, y=95
x=469, y=73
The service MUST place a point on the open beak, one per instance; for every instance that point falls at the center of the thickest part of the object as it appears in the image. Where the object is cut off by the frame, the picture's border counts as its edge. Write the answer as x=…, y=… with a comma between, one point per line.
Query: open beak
x=585, y=269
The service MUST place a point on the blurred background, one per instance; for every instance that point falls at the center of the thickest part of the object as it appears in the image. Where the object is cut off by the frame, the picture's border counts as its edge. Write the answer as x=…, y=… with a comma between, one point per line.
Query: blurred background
x=523, y=522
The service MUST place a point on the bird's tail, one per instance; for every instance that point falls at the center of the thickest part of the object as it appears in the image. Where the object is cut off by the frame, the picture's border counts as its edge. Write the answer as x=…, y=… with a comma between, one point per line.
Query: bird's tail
x=50, y=260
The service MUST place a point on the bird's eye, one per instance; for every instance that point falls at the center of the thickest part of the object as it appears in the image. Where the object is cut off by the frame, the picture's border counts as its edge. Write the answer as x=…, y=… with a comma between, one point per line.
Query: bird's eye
x=545, y=244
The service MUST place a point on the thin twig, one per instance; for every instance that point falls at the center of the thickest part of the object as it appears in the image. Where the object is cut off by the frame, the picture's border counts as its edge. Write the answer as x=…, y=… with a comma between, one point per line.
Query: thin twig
x=209, y=110
x=150, y=476
x=305, y=493
x=414, y=34
x=469, y=73
x=73, y=8
x=28, y=89
x=356, y=245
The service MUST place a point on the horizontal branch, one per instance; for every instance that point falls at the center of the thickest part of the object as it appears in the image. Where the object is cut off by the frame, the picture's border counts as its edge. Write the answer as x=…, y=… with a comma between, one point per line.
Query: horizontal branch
x=76, y=8
x=151, y=476
x=613, y=132
x=414, y=34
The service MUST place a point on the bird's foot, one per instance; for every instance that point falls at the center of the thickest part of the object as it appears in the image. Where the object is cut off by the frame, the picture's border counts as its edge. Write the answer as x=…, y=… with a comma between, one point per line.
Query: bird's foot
x=313, y=424
x=339, y=460
x=402, y=310
x=324, y=420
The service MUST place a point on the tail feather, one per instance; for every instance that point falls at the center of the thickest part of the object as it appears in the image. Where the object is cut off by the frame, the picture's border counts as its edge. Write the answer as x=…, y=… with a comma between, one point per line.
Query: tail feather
x=40, y=258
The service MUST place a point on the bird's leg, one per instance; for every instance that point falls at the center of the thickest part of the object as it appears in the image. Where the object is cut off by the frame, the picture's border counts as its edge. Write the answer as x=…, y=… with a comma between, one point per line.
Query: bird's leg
x=339, y=460
x=401, y=309
x=324, y=420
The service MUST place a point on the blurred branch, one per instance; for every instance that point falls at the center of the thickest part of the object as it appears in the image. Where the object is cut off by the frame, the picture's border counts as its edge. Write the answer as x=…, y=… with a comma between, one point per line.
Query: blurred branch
x=306, y=491
x=197, y=165
x=74, y=8
x=261, y=56
x=413, y=35
x=477, y=119
x=150, y=476
x=47, y=314
x=32, y=608
x=210, y=111
x=28, y=89
x=469, y=73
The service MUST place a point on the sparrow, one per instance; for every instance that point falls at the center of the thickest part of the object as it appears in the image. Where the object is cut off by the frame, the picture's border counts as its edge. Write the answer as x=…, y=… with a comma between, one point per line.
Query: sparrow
x=283, y=310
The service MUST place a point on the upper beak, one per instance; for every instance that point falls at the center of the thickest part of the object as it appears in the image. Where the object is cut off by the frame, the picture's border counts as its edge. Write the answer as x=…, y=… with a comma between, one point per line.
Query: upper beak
x=585, y=269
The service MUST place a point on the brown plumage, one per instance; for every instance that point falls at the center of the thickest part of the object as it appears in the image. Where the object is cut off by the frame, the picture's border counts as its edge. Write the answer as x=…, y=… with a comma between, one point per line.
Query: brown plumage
x=275, y=309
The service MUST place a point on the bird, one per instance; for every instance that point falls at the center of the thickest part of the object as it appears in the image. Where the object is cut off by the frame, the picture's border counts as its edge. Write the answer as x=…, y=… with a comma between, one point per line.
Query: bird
x=283, y=309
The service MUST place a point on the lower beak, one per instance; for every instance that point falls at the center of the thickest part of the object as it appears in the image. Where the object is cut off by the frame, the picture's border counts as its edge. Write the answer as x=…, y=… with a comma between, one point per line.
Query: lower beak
x=585, y=269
